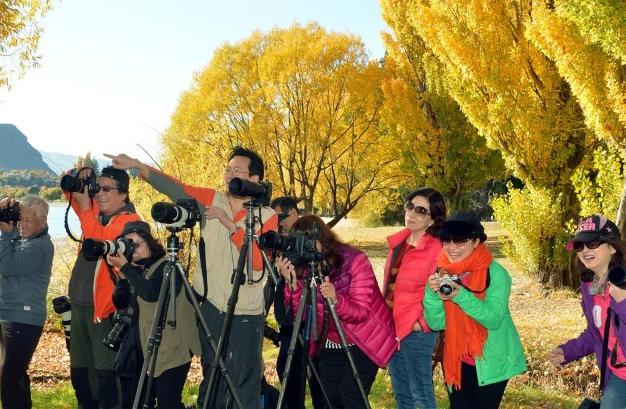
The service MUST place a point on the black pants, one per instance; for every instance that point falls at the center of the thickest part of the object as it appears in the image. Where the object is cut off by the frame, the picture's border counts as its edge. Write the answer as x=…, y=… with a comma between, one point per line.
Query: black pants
x=243, y=359
x=295, y=390
x=473, y=396
x=296, y=386
x=337, y=378
x=169, y=387
x=91, y=363
x=20, y=341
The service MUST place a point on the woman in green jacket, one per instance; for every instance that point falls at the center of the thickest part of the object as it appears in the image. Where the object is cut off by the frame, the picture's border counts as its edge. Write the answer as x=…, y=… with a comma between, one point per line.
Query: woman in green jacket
x=468, y=297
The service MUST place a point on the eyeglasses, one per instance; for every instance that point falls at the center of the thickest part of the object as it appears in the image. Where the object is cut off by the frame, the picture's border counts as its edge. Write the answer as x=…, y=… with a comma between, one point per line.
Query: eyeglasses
x=591, y=245
x=457, y=241
x=106, y=189
x=137, y=244
x=421, y=211
x=235, y=171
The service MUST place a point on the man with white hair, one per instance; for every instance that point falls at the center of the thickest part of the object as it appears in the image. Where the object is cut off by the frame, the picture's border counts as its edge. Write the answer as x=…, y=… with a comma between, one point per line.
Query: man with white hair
x=26, y=253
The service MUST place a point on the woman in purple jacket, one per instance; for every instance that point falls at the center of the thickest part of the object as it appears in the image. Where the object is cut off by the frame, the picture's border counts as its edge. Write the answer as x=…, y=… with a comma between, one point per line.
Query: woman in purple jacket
x=599, y=248
x=351, y=286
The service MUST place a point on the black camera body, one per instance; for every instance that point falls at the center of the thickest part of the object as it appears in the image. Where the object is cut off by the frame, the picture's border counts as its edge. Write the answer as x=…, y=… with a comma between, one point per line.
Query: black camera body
x=10, y=214
x=72, y=183
x=445, y=281
x=260, y=192
x=121, y=323
x=617, y=277
x=298, y=247
x=92, y=249
x=184, y=214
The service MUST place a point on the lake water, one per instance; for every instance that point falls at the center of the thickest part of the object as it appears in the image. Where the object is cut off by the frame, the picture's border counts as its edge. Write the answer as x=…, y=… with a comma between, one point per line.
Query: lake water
x=56, y=217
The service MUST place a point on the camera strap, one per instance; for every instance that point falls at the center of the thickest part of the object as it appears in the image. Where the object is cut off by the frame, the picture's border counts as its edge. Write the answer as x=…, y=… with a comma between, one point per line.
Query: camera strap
x=202, y=255
x=487, y=282
x=605, y=347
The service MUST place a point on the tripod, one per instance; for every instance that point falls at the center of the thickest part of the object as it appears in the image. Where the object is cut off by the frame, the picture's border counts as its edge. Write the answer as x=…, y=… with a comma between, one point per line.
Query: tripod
x=311, y=282
x=166, y=311
x=310, y=288
x=238, y=278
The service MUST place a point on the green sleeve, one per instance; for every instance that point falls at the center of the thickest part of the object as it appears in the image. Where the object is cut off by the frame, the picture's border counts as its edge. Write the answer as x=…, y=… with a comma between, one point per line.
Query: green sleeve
x=491, y=311
x=434, y=313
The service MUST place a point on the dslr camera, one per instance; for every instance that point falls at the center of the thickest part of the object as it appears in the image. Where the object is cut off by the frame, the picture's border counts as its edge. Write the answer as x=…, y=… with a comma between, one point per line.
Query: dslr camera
x=298, y=247
x=62, y=306
x=10, y=214
x=72, y=183
x=446, y=280
x=184, y=214
x=261, y=192
x=92, y=249
x=121, y=324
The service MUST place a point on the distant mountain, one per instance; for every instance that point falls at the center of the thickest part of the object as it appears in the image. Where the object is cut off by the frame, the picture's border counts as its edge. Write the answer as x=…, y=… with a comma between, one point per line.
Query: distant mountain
x=61, y=162
x=16, y=152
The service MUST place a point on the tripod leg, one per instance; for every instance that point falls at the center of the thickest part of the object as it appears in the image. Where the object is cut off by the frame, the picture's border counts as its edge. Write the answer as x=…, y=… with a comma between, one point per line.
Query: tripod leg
x=207, y=333
x=238, y=277
x=292, y=345
x=152, y=349
x=313, y=375
x=344, y=346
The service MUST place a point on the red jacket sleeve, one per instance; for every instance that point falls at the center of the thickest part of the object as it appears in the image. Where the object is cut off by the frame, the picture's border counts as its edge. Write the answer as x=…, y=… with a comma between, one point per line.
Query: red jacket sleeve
x=356, y=306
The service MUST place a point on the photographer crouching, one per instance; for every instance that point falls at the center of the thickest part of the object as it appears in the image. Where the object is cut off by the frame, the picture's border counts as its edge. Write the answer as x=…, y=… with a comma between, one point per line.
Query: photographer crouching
x=26, y=253
x=144, y=273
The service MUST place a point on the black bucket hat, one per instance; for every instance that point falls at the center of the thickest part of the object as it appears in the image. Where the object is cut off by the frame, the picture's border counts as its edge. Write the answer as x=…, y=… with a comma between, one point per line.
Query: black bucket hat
x=463, y=224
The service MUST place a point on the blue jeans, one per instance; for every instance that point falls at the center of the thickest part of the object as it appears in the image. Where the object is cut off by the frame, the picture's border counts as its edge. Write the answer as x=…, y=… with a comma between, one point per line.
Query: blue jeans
x=411, y=371
x=614, y=394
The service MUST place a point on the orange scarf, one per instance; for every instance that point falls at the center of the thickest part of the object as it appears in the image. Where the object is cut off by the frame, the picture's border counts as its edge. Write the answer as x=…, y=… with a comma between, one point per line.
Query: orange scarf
x=464, y=337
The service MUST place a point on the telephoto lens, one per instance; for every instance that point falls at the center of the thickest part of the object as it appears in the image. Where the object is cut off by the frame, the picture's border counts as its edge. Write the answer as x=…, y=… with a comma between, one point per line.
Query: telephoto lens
x=617, y=277
x=62, y=306
x=184, y=213
x=92, y=249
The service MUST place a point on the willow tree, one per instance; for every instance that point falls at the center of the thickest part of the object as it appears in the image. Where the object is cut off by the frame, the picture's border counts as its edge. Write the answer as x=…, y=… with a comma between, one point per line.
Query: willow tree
x=308, y=100
x=19, y=36
x=587, y=42
x=437, y=144
x=514, y=96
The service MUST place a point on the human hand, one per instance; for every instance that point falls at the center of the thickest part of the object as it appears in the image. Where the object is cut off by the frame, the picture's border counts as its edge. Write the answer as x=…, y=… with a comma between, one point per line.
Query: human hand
x=214, y=212
x=618, y=294
x=556, y=356
x=328, y=290
x=287, y=270
x=117, y=260
x=123, y=161
x=433, y=282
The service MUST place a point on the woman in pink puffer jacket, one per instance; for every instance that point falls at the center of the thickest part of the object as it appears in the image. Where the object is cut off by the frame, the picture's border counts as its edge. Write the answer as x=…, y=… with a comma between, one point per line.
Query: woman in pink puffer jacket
x=351, y=286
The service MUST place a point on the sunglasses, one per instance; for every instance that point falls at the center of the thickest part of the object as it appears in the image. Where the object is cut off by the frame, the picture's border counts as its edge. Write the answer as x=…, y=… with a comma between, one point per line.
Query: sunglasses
x=591, y=245
x=419, y=210
x=137, y=244
x=105, y=189
x=457, y=241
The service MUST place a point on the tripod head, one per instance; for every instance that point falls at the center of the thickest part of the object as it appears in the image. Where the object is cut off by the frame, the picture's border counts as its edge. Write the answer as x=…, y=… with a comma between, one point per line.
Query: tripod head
x=173, y=243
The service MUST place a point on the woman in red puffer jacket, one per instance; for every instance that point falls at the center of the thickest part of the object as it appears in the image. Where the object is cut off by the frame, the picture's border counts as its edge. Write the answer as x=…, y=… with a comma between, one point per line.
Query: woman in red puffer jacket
x=412, y=259
x=351, y=286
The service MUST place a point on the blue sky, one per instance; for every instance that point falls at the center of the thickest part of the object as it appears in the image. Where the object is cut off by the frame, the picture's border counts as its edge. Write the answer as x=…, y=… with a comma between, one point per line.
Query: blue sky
x=112, y=70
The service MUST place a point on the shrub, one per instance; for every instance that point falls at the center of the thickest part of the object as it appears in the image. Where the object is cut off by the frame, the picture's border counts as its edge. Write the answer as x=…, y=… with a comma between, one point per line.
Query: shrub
x=533, y=220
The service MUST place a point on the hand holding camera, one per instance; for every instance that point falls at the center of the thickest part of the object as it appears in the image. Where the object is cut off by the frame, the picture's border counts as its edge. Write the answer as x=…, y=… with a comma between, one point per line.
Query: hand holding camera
x=444, y=284
x=287, y=270
x=617, y=280
x=9, y=213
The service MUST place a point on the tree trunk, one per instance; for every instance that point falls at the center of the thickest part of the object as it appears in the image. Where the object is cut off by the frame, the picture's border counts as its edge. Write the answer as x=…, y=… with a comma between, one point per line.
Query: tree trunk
x=620, y=218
